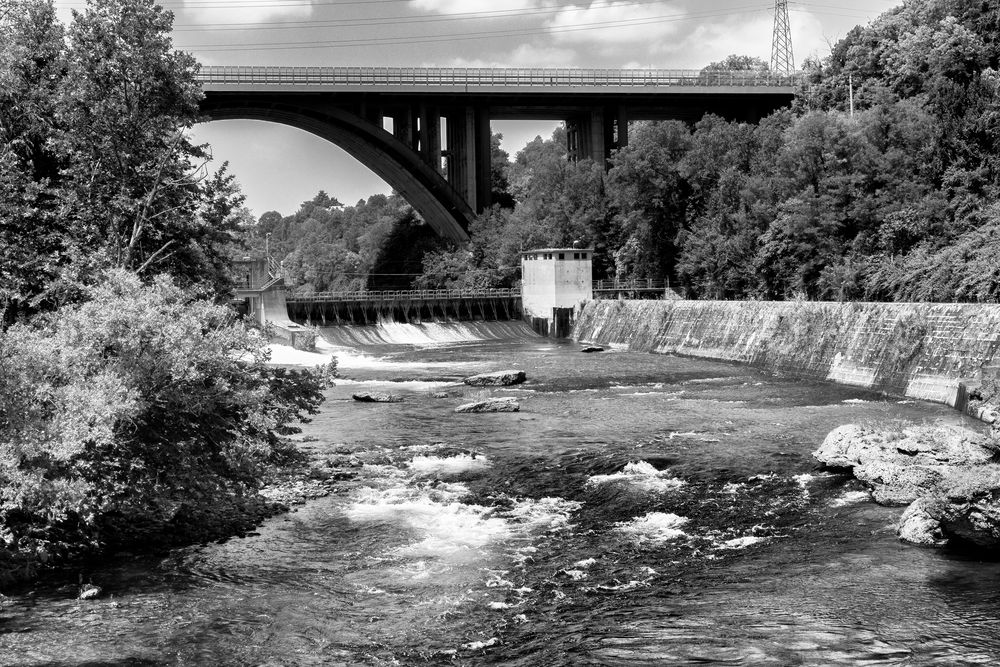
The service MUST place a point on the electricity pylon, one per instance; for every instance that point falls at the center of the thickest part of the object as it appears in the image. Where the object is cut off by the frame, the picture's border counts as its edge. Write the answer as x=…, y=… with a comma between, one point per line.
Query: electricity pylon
x=781, y=44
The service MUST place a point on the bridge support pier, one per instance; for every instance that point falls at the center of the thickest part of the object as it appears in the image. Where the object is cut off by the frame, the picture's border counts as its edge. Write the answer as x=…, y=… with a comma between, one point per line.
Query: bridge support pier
x=596, y=133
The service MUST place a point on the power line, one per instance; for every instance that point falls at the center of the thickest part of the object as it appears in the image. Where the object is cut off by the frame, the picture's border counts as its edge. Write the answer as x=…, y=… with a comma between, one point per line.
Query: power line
x=386, y=21
x=624, y=23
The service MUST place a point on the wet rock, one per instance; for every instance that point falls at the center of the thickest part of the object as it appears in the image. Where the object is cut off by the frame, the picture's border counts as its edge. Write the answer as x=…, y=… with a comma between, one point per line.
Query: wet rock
x=967, y=506
x=89, y=592
x=376, y=397
x=496, y=379
x=902, y=464
x=946, y=474
x=491, y=405
x=592, y=348
x=440, y=394
x=918, y=526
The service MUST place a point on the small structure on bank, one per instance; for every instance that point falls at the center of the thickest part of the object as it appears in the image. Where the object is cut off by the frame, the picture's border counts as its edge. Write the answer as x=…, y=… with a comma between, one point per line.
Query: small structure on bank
x=553, y=282
x=260, y=295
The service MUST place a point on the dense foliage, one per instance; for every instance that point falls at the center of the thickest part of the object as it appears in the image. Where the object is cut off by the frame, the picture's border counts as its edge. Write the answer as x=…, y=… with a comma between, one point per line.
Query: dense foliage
x=134, y=408
x=375, y=244
x=96, y=168
x=139, y=415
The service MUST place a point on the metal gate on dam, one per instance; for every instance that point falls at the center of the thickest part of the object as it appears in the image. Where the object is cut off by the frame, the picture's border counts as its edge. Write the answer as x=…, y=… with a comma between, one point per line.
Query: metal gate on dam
x=413, y=306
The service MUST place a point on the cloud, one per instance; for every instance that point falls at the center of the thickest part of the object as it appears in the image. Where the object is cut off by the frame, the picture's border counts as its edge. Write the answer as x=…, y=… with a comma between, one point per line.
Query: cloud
x=525, y=55
x=463, y=6
x=745, y=34
x=241, y=11
x=616, y=24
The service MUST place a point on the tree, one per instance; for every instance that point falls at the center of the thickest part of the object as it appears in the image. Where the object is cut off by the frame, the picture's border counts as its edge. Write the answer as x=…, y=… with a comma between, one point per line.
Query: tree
x=126, y=101
x=96, y=169
x=32, y=229
x=499, y=163
x=735, y=63
x=648, y=194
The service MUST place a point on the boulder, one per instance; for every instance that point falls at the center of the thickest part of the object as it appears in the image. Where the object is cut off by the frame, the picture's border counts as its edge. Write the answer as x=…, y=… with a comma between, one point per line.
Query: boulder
x=852, y=445
x=593, y=348
x=491, y=405
x=967, y=506
x=440, y=394
x=945, y=474
x=496, y=379
x=919, y=526
x=376, y=397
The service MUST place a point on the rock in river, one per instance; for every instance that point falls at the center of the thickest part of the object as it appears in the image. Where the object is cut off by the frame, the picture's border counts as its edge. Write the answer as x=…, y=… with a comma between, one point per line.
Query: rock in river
x=376, y=397
x=902, y=464
x=947, y=475
x=592, y=348
x=497, y=378
x=491, y=405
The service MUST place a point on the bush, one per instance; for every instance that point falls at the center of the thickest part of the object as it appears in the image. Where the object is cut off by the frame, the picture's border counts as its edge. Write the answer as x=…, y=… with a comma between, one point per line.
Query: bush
x=143, y=414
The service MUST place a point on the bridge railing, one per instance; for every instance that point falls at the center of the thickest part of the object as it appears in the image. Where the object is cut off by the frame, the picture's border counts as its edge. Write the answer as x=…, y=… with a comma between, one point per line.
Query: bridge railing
x=630, y=285
x=489, y=77
x=406, y=295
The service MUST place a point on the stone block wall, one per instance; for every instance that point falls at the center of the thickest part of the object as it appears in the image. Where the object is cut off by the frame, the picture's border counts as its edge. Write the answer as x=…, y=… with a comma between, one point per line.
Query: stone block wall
x=919, y=350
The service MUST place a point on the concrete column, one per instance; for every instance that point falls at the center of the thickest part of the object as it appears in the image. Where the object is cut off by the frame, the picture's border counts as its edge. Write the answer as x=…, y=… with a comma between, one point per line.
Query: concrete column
x=610, y=119
x=573, y=139
x=424, y=132
x=622, y=128
x=434, y=137
x=483, y=161
x=596, y=131
x=461, y=171
x=402, y=126
x=415, y=125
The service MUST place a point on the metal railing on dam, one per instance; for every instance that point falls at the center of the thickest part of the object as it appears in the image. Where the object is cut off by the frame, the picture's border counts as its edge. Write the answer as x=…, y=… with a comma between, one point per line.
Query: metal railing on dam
x=471, y=77
x=368, y=307
x=406, y=295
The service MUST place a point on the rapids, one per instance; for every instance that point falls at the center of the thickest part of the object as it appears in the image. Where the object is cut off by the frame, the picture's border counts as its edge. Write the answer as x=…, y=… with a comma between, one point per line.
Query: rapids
x=640, y=510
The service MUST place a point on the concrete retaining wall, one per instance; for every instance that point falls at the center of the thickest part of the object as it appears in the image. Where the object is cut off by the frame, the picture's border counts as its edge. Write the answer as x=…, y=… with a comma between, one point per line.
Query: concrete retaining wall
x=917, y=350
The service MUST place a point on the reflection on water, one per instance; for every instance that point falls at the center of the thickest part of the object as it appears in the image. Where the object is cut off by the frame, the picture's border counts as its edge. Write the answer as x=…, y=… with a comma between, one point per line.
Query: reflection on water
x=639, y=510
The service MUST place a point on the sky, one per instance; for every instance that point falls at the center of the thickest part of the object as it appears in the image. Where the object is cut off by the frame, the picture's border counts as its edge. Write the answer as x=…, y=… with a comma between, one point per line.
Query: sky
x=280, y=167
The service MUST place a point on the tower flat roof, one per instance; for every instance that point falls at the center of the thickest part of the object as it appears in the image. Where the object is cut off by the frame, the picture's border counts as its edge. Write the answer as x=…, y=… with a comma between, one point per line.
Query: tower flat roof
x=529, y=252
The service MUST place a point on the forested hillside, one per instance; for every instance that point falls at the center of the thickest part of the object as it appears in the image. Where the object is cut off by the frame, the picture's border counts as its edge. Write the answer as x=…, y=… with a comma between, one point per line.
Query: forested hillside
x=375, y=244
x=892, y=202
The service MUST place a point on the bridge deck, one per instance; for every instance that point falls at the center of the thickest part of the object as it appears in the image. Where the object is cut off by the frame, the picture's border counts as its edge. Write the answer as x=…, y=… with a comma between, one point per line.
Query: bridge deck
x=456, y=79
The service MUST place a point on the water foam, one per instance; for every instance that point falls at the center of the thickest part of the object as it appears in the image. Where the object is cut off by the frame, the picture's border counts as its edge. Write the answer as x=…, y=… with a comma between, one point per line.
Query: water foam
x=642, y=476
x=654, y=527
x=426, y=334
x=741, y=542
x=444, y=527
x=850, y=498
x=448, y=465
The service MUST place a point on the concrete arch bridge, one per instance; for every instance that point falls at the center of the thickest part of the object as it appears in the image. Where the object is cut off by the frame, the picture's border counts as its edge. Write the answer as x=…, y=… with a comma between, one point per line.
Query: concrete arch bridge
x=426, y=131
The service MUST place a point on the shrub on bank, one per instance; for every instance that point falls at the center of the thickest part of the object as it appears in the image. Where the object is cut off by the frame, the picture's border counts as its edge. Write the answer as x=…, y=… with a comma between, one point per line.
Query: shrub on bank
x=141, y=416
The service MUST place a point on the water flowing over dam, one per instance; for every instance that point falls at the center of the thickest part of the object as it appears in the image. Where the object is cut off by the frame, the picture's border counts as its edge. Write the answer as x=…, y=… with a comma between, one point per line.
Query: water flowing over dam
x=640, y=509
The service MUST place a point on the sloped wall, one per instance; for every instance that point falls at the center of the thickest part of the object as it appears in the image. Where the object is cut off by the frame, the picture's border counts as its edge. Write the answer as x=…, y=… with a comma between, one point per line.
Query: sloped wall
x=916, y=350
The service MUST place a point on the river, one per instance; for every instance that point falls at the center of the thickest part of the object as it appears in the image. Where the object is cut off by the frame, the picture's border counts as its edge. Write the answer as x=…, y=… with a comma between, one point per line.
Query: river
x=639, y=510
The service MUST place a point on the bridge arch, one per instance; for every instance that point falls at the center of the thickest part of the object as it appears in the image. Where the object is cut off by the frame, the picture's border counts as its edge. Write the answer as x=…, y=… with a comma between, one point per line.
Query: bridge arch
x=419, y=183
